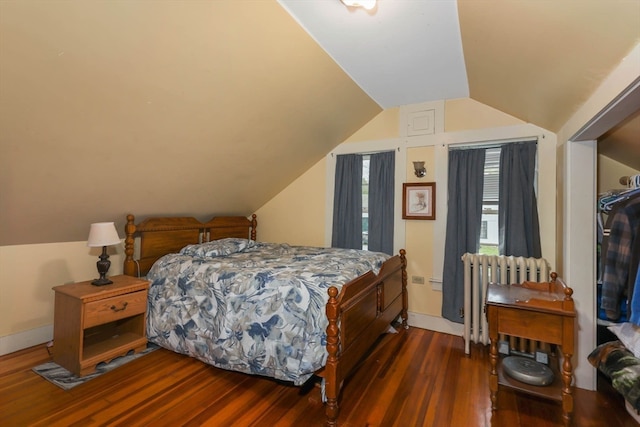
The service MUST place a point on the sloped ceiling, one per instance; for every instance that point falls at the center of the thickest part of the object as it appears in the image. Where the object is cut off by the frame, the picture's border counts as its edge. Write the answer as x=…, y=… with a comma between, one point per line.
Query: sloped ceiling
x=540, y=60
x=213, y=107
x=170, y=107
x=535, y=60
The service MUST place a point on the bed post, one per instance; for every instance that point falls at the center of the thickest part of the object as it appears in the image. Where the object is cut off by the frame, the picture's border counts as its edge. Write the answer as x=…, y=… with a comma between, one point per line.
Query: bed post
x=254, y=224
x=405, y=297
x=129, y=264
x=332, y=388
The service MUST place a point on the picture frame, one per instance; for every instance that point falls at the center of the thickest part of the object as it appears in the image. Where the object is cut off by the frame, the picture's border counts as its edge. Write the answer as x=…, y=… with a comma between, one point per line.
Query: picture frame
x=419, y=200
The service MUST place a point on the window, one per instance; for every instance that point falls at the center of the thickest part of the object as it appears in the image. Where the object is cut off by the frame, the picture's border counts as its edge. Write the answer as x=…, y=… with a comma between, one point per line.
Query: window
x=363, y=208
x=473, y=198
x=490, y=198
x=366, y=159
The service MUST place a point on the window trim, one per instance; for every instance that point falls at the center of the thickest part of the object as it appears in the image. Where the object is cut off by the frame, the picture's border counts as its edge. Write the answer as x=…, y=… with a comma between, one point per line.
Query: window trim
x=474, y=139
x=545, y=173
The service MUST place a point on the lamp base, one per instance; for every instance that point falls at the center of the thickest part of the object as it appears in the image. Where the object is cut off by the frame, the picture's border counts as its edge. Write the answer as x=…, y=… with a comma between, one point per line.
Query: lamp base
x=103, y=265
x=101, y=282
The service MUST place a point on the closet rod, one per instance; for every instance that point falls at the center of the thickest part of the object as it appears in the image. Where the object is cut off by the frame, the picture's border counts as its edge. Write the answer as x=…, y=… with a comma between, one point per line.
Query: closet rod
x=632, y=181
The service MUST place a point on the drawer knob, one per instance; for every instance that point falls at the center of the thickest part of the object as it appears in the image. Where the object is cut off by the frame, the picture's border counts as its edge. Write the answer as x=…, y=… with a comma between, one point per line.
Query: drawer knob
x=116, y=309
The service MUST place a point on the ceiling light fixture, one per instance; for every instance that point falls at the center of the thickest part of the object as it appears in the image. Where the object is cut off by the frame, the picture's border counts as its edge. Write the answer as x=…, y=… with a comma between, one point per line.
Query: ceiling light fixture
x=367, y=4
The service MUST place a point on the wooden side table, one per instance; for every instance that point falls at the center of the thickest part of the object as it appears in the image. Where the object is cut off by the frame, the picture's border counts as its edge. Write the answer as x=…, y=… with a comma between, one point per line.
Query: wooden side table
x=94, y=324
x=540, y=311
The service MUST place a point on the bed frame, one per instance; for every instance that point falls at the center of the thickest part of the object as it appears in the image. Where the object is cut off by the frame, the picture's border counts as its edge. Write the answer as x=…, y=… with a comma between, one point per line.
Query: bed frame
x=358, y=315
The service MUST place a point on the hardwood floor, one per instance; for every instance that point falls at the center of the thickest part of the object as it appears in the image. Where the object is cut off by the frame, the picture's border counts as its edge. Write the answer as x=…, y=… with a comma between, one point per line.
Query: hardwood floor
x=418, y=378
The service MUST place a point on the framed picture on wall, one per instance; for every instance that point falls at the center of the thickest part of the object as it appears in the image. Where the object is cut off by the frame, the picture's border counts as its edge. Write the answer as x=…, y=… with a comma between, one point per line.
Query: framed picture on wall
x=419, y=200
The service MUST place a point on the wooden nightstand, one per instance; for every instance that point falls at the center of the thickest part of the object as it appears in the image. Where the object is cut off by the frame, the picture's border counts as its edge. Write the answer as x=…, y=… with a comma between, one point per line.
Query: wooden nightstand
x=94, y=324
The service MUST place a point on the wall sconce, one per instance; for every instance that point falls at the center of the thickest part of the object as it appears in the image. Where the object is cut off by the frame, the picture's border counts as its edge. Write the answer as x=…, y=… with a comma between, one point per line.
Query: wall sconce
x=103, y=234
x=420, y=170
x=366, y=4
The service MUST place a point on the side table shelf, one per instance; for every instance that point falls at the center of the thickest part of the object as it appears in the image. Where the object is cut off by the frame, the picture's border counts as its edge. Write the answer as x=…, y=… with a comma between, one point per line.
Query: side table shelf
x=552, y=391
x=94, y=324
x=538, y=311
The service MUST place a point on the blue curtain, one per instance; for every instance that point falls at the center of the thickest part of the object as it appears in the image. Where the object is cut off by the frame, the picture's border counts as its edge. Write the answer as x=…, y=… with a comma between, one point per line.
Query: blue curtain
x=347, y=203
x=464, y=220
x=519, y=228
x=381, y=185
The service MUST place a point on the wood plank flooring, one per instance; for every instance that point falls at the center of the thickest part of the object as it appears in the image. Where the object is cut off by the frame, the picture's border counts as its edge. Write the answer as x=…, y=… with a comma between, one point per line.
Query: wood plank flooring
x=414, y=378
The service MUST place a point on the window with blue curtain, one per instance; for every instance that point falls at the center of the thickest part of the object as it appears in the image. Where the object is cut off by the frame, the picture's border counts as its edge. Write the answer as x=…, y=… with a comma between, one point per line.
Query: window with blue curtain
x=348, y=202
x=519, y=231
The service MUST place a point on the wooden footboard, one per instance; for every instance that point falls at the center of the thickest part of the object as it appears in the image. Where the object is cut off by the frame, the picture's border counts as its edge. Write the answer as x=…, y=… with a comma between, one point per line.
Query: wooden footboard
x=358, y=315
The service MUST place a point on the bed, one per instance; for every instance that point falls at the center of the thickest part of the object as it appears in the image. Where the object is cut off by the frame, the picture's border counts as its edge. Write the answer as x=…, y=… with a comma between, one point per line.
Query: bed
x=290, y=312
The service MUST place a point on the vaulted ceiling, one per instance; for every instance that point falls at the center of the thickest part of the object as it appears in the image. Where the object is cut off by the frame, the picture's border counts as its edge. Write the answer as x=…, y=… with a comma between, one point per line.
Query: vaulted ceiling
x=535, y=60
x=213, y=107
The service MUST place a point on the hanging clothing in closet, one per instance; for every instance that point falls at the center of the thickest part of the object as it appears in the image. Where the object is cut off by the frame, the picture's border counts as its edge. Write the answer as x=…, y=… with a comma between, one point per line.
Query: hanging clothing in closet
x=635, y=300
x=621, y=253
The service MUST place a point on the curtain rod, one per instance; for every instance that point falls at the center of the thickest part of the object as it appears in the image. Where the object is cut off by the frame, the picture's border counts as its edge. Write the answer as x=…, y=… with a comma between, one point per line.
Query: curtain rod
x=632, y=181
x=489, y=144
x=366, y=153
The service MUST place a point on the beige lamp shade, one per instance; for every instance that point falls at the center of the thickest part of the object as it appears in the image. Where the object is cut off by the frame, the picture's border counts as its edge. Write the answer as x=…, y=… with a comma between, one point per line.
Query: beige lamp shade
x=103, y=234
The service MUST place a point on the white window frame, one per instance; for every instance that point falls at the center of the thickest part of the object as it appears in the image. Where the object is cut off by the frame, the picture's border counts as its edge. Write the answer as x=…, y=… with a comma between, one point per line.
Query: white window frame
x=476, y=138
x=441, y=141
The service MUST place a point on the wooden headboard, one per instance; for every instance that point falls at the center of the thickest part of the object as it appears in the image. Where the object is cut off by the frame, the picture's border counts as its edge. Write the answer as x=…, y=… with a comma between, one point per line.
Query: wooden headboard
x=161, y=236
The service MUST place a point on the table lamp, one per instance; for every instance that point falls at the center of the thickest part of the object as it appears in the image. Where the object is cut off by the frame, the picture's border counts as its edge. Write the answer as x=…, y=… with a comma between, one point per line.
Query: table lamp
x=103, y=234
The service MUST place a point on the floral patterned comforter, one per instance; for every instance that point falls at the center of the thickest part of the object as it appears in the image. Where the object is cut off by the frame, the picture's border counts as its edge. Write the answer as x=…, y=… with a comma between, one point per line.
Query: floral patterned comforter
x=257, y=308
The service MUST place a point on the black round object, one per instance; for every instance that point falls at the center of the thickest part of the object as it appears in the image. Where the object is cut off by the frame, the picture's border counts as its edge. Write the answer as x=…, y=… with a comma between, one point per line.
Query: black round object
x=527, y=370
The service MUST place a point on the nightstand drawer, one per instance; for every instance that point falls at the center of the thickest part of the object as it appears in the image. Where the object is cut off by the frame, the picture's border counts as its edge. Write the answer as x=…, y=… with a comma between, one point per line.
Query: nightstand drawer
x=115, y=308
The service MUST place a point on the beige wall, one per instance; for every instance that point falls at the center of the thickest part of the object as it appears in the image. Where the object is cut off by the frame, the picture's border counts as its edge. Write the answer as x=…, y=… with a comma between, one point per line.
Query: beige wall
x=27, y=274
x=419, y=235
x=467, y=114
x=610, y=172
x=383, y=126
x=294, y=215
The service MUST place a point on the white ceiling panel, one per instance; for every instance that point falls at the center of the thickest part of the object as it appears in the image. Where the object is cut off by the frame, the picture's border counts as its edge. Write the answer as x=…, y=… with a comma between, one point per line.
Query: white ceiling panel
x=402, y=52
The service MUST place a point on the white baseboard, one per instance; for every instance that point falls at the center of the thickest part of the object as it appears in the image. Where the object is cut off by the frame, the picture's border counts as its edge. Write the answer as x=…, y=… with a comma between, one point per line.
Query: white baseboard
x=434, y=323
x=26, y=339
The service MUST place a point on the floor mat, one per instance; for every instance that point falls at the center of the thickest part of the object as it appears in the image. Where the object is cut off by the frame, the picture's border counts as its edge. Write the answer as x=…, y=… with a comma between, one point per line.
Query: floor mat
x=59, y=376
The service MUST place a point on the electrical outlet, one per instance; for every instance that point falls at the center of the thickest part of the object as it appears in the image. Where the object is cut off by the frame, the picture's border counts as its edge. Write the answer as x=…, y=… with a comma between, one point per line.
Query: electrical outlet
x=503, y=347
x=542, y=357
x=419, y=280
